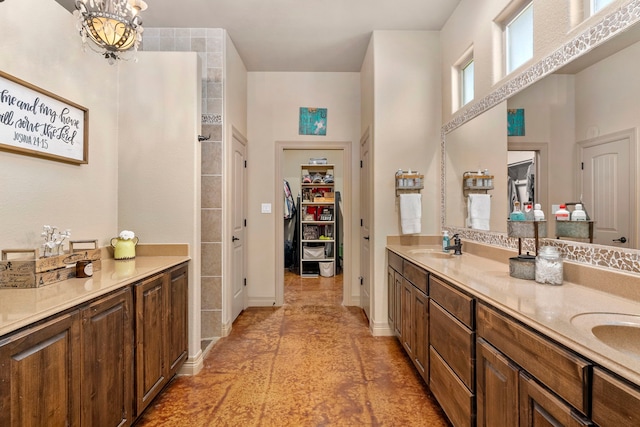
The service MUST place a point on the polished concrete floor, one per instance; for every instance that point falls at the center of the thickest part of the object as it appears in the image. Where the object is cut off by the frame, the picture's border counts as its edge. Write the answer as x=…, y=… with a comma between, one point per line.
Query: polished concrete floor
x=312, y=362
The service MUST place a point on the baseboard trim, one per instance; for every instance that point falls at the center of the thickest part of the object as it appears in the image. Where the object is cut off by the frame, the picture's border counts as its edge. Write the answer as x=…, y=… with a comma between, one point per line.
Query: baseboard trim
x=193, y=365
x=381, y=329
x=225, y=330
x=261, y=302
x=355, y=301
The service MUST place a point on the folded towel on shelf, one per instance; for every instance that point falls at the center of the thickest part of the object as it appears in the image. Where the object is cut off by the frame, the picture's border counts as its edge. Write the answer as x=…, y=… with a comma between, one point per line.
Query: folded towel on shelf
x=411, y=213
x=479, y=211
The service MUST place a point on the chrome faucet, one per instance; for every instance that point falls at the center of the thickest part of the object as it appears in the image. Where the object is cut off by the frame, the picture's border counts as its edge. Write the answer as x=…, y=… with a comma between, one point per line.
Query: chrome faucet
x=457, y=245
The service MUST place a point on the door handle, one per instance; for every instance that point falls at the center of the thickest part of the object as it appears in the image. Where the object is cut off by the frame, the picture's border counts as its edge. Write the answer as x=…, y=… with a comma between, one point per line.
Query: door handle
x=234, y=238
x=621, y=240
x=366, y=237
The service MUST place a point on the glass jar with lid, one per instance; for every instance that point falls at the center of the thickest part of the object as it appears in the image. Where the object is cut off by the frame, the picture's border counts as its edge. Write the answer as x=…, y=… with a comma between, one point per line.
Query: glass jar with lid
x=549, y=266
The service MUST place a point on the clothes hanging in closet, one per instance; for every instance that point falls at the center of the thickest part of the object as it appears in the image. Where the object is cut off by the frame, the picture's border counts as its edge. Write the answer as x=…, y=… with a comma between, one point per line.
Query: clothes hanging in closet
x=289, y=204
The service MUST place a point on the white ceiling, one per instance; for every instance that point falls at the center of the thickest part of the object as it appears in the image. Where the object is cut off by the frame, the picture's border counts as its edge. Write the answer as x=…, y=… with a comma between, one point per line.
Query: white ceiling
x=298, y=35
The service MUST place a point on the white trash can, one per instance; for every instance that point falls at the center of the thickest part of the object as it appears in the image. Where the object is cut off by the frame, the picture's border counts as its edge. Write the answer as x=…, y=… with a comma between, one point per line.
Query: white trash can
x=326, y=268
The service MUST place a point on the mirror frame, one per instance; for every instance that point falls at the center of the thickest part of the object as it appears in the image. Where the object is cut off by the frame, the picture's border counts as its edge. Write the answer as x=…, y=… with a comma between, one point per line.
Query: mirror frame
x=603, y=30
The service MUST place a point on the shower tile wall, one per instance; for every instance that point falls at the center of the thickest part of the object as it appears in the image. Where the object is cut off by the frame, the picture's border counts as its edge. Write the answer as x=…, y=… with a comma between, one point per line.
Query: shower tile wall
x=208, y=43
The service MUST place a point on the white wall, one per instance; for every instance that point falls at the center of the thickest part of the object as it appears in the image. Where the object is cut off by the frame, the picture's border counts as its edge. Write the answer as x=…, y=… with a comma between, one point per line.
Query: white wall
x=607, y=95
x=406, y=97
x=159, y=160
x=274, y=100
x=472, y=24
x=478, y=145
x=235, y=88
x=39, y=43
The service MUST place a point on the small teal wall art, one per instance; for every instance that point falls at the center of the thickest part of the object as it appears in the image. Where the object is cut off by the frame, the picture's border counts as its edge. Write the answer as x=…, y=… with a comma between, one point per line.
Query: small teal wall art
x=313, y=121
x=515, y=118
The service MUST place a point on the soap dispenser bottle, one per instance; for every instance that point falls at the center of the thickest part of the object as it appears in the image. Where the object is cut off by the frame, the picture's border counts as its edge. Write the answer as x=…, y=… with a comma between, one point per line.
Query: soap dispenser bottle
x=538, y=214
x=517, y=214
x=446, y=241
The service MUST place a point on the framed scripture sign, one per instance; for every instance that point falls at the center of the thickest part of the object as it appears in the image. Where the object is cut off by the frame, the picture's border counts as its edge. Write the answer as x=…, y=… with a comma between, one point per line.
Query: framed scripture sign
x=39, y=123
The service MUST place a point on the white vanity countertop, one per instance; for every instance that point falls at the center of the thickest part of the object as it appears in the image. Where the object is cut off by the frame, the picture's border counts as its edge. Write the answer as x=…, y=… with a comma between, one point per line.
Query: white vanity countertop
x=21, y=307
x=548, y=309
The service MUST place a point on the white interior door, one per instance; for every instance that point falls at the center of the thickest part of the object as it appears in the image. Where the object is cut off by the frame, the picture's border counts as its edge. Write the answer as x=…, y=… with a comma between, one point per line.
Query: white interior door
x=365, y=235
x=238, y=227
x=606, y=190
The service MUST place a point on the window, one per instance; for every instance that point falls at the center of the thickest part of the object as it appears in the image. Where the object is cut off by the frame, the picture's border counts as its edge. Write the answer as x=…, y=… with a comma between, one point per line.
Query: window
x=519, y=38
x=466, y=82
x=462, y=80
x=597, y=5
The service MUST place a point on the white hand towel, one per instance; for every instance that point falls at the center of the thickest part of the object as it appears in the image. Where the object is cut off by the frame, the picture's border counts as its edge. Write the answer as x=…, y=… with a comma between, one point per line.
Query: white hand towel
x=479, y=209
x=411, y=213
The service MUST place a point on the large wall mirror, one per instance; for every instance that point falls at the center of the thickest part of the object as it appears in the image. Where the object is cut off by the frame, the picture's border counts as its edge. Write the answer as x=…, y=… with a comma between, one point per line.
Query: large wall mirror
x=581, y=123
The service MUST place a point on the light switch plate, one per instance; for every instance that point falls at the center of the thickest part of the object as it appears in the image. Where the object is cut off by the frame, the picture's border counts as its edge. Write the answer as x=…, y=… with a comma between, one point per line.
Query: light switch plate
x=554, y=208
x=266, y=208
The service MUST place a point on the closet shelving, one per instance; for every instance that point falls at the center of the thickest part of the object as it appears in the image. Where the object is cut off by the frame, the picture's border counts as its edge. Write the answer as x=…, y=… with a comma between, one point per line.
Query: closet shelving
x=317, y=220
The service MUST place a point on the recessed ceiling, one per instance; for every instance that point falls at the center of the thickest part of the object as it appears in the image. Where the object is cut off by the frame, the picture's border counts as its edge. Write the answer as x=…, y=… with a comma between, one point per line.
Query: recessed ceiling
x=298, y=35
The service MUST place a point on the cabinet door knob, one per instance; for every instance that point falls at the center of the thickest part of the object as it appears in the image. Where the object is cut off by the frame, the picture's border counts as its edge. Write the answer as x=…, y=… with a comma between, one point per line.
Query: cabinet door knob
x=621, y=240
x=234, y=238
x=366, y=237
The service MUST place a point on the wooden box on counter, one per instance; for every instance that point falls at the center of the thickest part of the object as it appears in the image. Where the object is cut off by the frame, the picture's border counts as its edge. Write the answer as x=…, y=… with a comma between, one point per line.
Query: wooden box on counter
x=36, y=271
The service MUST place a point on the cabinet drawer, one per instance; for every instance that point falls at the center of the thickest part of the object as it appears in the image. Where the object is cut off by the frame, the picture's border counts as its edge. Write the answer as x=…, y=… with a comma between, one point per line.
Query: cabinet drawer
x=415, y=275
x=615, y=403
x=540, y=407
x=454, y=301
x=395, y=261
x=456, y=399
x=560, y=370
x=454, y=342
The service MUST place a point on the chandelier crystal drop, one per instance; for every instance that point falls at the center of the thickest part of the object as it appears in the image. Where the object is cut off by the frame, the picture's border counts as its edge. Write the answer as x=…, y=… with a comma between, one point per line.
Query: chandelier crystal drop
x=112, y=26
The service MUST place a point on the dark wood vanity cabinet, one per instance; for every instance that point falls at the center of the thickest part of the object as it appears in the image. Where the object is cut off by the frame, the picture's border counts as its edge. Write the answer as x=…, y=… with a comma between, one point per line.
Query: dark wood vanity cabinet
x=452, y=349
x=107, y=361
x=394, y=284
x=615, y=402
x=524, y=376
x=161, y=332
x=151, y=336
x=40, y=374
x=496, y=388
x=540, y=407
x=178, y=316
x=83, y=367
x=488, y=369
x=408, y=307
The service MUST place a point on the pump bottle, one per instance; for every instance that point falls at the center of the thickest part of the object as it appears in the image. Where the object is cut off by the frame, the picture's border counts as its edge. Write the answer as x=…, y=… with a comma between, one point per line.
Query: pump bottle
x=446, y=242
x=578, y=213
x=538, y=214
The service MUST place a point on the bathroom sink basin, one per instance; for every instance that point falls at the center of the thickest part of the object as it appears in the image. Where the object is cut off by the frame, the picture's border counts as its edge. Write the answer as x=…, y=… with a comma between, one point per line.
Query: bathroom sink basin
x=432, y=252
x=619, y=331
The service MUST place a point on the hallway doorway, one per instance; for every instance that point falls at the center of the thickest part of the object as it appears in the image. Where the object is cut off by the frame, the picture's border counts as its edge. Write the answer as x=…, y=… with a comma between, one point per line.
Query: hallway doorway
x=289, y=158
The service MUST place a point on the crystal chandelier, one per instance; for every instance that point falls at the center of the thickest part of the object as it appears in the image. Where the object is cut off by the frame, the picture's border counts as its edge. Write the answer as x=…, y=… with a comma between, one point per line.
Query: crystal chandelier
x=113, y=26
